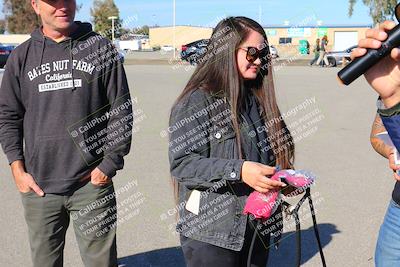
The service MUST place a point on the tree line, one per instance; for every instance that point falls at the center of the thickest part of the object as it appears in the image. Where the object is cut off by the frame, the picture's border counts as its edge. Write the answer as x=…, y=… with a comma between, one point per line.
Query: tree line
x=20, y=18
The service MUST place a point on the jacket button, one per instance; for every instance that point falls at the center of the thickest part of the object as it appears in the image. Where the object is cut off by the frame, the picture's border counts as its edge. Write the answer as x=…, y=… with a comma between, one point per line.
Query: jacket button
x=218, y=135
x=233, y=174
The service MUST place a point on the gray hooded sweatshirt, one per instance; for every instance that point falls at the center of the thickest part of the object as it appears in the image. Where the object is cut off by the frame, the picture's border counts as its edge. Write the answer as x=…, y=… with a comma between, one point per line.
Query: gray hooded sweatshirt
x=62, y=108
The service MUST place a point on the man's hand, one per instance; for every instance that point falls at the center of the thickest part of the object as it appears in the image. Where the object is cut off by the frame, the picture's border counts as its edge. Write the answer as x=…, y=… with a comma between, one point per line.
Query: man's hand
x=255, y=175
x=97, y=177
x=24, y=180
x=393, y=165
x=384, y=77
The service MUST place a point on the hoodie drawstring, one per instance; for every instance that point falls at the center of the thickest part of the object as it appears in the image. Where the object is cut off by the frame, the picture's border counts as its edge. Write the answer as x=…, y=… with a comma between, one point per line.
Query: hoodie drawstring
x=42, y=52
x=71, y=58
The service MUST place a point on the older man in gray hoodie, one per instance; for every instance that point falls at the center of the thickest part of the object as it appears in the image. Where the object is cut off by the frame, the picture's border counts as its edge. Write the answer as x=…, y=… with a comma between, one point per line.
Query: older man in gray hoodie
x=65, y=126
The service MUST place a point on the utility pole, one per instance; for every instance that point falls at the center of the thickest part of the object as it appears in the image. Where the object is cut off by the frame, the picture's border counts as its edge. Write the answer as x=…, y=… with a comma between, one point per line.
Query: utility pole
x=113, y=18
x=174, y=25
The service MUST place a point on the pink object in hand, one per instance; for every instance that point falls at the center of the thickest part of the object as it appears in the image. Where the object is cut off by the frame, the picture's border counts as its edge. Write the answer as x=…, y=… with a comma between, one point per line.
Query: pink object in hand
x=263, y=205
x=297, y=179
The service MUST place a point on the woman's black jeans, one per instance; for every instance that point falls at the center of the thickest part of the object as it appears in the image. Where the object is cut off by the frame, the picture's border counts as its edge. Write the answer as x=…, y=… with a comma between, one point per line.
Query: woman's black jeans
x=199, y=254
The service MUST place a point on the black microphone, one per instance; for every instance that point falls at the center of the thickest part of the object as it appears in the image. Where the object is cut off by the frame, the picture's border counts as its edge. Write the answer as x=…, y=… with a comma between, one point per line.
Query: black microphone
x=361, y=64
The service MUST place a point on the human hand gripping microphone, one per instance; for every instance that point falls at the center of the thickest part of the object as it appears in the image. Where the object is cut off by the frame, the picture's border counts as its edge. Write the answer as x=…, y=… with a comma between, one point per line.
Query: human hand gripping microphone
x=362, y=64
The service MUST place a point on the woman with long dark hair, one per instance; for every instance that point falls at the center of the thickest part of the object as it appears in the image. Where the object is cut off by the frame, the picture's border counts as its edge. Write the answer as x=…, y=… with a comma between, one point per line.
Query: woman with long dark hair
x=227, y=136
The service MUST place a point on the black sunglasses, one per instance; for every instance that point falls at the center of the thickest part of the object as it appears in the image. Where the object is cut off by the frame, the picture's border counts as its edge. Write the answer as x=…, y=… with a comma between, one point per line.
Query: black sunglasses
x=253, y=53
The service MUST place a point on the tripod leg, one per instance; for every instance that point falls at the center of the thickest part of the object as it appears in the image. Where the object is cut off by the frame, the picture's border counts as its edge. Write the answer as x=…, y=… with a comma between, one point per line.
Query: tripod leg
x=253, y=240
x=316, y=231
x=297, y=220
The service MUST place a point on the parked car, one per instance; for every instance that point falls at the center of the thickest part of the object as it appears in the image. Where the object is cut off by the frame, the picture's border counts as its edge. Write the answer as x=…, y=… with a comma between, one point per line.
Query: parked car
x=193, y=51
x=273, y=51
x=5, y=51
x=121, y=54
x=336, y=57
x=167, y=48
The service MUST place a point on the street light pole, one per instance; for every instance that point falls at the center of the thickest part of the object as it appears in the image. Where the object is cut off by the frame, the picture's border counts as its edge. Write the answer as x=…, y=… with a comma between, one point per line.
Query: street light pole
x=174, y=23
x=112, y=18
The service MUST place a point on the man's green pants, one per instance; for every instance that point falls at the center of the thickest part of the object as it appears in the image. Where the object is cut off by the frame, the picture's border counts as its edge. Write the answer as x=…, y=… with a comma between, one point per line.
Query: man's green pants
x=93, y=212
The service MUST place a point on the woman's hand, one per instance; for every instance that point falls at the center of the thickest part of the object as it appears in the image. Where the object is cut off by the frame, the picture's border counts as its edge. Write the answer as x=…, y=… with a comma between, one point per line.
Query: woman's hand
x=255, y=175
x=384, y=77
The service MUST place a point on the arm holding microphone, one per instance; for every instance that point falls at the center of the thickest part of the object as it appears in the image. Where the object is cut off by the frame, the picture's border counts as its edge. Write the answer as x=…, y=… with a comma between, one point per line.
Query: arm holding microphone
x=384, y=77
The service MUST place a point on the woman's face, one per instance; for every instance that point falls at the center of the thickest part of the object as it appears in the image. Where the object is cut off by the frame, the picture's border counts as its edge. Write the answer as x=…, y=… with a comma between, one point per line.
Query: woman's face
x=248, y=70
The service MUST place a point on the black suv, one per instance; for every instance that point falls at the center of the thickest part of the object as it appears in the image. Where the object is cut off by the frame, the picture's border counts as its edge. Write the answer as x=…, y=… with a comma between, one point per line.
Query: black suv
x=193, y=51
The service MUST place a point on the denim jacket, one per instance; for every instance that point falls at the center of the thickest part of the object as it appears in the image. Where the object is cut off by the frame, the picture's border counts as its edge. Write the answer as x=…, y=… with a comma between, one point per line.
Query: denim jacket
x=204, y=158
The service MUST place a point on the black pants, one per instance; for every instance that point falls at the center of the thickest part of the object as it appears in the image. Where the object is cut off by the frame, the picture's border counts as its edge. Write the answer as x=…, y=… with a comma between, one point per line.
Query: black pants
x=199, y=254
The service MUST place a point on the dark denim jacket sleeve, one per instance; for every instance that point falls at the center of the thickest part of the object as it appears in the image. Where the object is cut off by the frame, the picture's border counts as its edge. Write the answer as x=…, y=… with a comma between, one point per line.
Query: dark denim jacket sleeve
x=189, y=146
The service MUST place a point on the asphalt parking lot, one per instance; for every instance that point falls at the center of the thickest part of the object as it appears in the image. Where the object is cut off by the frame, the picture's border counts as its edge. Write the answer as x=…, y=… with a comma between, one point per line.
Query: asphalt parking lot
x=352, y=191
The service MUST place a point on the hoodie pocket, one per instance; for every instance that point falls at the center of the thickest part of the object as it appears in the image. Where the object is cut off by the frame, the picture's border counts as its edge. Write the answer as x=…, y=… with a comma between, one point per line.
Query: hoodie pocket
x=58, y=157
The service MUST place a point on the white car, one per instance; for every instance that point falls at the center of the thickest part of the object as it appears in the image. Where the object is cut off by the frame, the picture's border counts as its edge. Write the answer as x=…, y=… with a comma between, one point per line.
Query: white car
x=167, y=48
x=273, y=51
x=335, y=58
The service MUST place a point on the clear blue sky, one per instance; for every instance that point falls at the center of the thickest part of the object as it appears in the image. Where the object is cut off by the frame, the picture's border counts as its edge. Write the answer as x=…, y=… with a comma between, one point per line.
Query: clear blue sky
x=207, y=12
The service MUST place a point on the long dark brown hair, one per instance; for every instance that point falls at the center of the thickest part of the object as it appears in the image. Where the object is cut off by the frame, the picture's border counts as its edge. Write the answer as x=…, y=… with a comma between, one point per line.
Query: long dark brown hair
x=217, y=71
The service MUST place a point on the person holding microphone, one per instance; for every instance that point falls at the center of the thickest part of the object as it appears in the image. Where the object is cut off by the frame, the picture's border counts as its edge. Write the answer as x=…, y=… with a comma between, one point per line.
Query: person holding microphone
x=384, y=78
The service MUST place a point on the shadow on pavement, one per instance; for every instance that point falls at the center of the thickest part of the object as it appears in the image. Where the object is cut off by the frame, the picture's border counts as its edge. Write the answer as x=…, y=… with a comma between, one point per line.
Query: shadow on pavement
x=167, y=257
x=284, y=256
